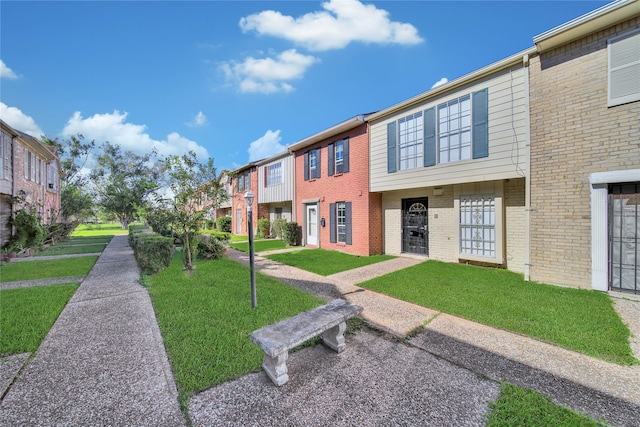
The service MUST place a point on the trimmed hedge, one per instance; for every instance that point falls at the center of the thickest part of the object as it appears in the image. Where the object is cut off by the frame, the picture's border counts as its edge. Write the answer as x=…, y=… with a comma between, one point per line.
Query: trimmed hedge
x=220, y=235
x=152, y=251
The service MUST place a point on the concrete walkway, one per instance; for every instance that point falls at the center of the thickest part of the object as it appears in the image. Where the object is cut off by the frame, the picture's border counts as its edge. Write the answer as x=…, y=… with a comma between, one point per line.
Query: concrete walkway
x=103, y=361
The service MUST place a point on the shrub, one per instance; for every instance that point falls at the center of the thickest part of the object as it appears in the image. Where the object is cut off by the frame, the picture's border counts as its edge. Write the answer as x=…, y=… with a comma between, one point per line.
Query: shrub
x=264, y=227
x=290, y=233
x=277, y=226
x=220, y=235
x=210, y=247
x=152, y=251
x=29, y=231
x=224, y=224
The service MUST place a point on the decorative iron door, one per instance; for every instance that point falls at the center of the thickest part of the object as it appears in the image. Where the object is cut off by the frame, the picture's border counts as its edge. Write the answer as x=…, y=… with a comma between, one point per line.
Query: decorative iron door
x=624, y=236
x=415, y=227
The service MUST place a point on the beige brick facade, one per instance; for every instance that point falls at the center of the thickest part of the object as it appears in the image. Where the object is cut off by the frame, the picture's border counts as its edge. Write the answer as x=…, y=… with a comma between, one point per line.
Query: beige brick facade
x=574, y=134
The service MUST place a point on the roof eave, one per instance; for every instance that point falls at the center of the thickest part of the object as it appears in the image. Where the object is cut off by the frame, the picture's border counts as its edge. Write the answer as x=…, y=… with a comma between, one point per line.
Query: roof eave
x=344, y=126
x=603, y=17
x=454, y=84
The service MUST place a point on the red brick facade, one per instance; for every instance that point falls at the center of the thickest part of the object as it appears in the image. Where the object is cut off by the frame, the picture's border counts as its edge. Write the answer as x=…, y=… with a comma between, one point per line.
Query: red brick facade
x=352, y=186
x=239, y=205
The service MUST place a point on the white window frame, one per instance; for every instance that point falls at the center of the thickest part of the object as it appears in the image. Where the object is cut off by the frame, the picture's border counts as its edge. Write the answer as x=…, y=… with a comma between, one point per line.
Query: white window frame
x=313, y=163
x=411, y=141
x=274, y=174
x=623, y=68
x=341, y=222
x=455, y=128
x=338, y=156
x=2, y=136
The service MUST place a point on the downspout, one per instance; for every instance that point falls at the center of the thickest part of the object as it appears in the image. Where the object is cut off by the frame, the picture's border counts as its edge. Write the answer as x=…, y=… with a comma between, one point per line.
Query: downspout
x=527, y=191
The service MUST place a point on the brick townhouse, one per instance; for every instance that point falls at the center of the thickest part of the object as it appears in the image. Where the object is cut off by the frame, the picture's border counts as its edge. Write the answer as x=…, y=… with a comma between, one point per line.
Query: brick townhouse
x=585, y=151
x=27, y=165
x=333, y=204
x=245, y=179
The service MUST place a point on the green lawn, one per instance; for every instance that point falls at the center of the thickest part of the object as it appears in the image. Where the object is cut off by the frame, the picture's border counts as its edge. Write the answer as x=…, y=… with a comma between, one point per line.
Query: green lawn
x=260, y=245
x=206, y=319
x=71, y=250
x=27, y=314
x=107, y=229
x=578, y=319
x=523, y=407
x=84, y=240
x=325, y=262
x=45, y=269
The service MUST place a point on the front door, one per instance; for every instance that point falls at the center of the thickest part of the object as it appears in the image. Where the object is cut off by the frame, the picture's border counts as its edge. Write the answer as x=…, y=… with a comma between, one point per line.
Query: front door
x=312, y=225
x=624, y=237
x=415, y=227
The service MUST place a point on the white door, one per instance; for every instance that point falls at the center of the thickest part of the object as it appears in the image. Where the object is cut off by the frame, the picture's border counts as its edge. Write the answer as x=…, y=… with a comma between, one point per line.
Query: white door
x=312, y=225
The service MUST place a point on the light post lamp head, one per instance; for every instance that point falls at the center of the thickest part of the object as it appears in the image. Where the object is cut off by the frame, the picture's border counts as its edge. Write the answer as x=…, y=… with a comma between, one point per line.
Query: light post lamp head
x=248, y=196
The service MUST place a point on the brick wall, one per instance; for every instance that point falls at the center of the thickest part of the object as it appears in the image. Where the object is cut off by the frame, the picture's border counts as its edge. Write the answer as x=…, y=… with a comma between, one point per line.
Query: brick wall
x=238, y=202
x=352, y=186
x=574, y=134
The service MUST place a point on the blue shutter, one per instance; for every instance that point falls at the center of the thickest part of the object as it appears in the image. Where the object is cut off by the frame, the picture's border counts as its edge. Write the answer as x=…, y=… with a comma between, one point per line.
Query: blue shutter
x=306, y=166
x=480, y=131
x=345, y=156
x=318, y=167
x=430, y=146
x=347, y=214
x=332, y=161
x=391, y=148
x=332, y=223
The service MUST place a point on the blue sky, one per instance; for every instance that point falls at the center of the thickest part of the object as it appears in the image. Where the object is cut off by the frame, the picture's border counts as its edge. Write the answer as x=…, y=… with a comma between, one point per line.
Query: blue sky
x=240, y=80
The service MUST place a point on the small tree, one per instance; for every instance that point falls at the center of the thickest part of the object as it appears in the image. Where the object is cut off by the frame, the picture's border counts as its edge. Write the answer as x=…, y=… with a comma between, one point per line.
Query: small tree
x=224, y=224
x=290, y=233
x=197, y=188
x=264, y=227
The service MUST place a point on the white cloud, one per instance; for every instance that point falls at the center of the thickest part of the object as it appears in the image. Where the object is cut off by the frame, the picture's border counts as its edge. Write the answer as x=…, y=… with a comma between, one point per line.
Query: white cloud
x=268, y=75
x=129, y=136
x=440, y=82
x=341, y=22
x=20, y=121
x=199, y=120
x=266, y=146
x=6, y=72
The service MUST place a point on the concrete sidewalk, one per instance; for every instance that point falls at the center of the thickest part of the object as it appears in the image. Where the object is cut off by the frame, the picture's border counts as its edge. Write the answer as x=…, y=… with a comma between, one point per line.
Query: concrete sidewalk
x=600, y=389
x=103, y=361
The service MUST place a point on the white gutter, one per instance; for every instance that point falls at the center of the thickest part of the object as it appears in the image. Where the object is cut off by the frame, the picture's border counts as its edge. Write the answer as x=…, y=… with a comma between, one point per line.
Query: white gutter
x=327, y=133
x=588, y=23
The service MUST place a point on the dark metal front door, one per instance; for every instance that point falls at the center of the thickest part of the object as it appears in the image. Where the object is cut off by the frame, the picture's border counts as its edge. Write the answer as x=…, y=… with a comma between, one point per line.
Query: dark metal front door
x=624, y=237
x=415, y=226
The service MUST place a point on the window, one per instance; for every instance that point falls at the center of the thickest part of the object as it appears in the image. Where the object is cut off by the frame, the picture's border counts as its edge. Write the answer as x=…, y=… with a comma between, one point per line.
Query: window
x=339, y=157
x=410, y=137
x=52, y=173
x=2, y=155
x=27, y=164
x=244, y=182
x=624, y=68
x=478, y=225
x=454, y=130
x=274, y=174
x=312, y=164
x=38, y=171
x=340, y=222
x=451, y=131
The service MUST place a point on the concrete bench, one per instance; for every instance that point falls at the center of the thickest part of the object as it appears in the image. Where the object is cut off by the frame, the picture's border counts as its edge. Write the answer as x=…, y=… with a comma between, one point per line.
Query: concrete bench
x=276, y=340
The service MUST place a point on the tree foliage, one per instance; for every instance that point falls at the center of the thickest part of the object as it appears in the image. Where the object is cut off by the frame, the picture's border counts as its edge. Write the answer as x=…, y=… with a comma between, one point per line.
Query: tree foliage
x=196, y=188
x=124, y=181
x=76, y=201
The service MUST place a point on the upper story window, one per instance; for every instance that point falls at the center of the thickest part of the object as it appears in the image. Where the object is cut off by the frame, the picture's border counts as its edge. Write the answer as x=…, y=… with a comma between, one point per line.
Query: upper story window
x=52, y=173
x=339, y=157
x=28, y=165
x=312, y=164
x=454, y=130
x=2, y=155
x=273, y=174
x=624, y=68
x=244, y=182
x=410, y=134
x=451, y=131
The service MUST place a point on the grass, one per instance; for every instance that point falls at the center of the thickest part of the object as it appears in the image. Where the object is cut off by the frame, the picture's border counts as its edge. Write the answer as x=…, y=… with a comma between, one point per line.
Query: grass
x=206, y=319
x=239, y=238
x=45, y=269
x=86, y=240
x=325, y=262
x=523, y=407
x=578, y=319
x=70, y=250
x=107, y=229
x=27, y=314
x=260, y=245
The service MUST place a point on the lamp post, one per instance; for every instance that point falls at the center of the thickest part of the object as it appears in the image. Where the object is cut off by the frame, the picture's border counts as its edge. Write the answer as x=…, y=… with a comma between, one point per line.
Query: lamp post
x=248, y=196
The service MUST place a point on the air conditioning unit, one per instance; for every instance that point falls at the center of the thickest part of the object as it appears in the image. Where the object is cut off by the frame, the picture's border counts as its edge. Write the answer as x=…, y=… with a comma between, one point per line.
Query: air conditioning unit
x=50, y=186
